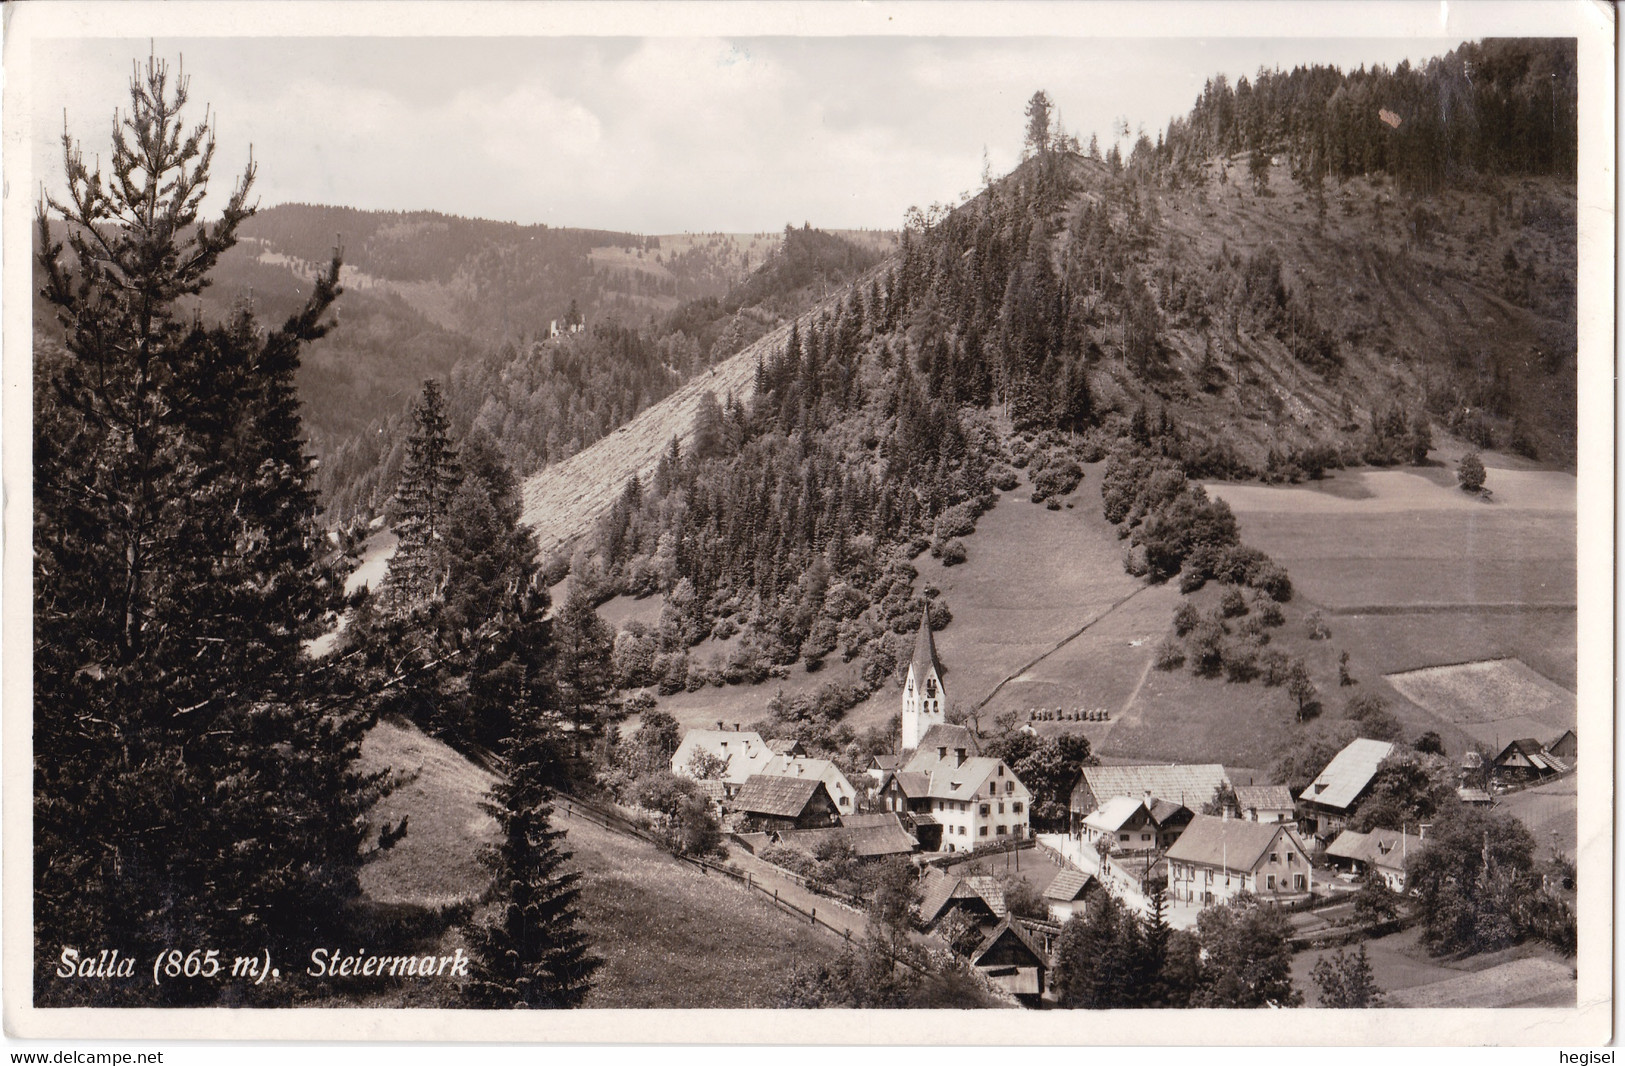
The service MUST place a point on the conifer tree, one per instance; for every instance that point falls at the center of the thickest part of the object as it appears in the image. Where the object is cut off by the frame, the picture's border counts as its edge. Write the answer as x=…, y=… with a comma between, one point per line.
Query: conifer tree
x=529, y=952
x=193, y=782
x=418, y=568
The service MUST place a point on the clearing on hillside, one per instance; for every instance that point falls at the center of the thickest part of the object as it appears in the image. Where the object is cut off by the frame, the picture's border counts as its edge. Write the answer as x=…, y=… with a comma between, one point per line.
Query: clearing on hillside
x=1494, y=700
x=672, y=937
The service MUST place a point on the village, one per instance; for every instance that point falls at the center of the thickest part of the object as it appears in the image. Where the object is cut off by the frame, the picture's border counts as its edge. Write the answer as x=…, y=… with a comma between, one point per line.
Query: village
x=1164, y=841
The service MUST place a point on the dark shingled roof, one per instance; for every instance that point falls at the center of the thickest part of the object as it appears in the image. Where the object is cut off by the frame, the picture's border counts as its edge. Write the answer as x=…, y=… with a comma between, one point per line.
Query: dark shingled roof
x=941, y=888
x=1010, y=927
x=1068, y=886
x=780, y=797
x=925, y=650
x=880, y=835
x=947, y=736
x=1264, y=798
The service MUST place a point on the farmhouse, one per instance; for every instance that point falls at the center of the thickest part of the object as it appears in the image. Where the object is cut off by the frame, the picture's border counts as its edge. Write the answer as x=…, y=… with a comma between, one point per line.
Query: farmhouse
x=925, y=702
x=979, y=897
x=1383, y=850
x=1011, y=959
x=1192, y=785
x=1265, y=803
x=840, y=789
x=784, y=802
x=870, y=836
x=741, y=753
x=1069, y=892
x=1526, y=760
x=959, y=801
x=1565, y=747
x=1324, y=807
x=1218, y=858
x=1126, y=824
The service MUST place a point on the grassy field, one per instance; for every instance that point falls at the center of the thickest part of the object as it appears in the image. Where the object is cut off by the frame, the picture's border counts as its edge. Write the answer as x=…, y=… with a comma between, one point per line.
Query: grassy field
x=1550, y=812
x=1495, y=700
x=437, y=862
x=1529, y=975
x=674, y=937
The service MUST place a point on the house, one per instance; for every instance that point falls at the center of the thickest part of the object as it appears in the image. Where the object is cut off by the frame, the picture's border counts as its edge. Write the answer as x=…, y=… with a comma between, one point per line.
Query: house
x=1171, y=819
x=979, y=897
x=840, y=789
x=1384, y=850
x=741, y=753
x=925, y=702
x=1069, y=892
x=1190, y=784
x=1324, y=807
x=870, y=836
x=1565, y=747
x=777, y=803
x=1217, y=858
x=958, y=801
x=1526, y=760
x=1010, y=958
x=879, y=766
x=787, y=746
x=1125, y=822
x=1265, y=803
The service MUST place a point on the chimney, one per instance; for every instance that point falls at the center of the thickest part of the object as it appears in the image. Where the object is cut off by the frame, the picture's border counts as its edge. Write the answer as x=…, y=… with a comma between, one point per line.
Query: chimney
x=959, y=756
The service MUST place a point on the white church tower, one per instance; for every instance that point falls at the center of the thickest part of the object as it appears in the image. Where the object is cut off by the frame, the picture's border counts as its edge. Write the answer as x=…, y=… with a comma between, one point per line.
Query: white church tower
x=925, y=703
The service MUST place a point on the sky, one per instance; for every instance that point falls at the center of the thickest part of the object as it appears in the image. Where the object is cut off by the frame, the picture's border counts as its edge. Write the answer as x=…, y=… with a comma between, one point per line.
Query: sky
x=653, y=134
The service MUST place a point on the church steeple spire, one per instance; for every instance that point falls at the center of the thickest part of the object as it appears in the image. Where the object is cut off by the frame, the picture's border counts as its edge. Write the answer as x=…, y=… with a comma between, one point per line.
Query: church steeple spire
x=924, y=700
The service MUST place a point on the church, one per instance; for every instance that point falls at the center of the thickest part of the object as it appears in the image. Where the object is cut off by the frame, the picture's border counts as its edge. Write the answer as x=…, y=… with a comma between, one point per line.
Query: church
x=959, y=799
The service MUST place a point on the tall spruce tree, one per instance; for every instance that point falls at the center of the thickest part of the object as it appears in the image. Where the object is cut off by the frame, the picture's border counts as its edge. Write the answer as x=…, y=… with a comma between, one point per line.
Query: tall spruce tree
x=193, y=784
x=529, y=951
x=417, y=570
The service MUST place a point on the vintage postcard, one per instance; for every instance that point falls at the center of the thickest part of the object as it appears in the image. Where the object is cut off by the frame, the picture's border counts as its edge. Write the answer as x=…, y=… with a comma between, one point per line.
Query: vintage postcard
x=654, y=522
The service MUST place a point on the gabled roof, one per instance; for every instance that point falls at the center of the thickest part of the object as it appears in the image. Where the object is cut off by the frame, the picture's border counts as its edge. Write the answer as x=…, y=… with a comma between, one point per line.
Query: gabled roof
x=914, y=786
x=925, y=650
x=884, y=762
x=945, y=736
x=1230, y=843
x=945, y=780
x=743, y=751
x=786, y=746
x=1192, y=784
x=1009, y=928
x=1069, y=885
x=942, y=887
x=1348, y=774
x=880, y=834
x=715, y=791
x=1389, y=849
x=780, y=797
x=1116, y=813
x=799, y=766
x=1264, y=798
x=1536, y=755
x=1163, y=810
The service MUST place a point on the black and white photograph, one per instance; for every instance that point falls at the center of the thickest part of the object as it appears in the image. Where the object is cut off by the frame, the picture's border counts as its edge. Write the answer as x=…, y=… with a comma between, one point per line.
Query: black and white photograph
x=551, y=522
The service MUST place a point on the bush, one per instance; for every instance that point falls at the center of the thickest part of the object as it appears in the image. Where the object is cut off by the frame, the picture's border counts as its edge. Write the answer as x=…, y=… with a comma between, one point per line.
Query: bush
x=1470, y=473
x=1232, y=604
x=1240, y=663
x=1191, y=579
x=1185, y=618
x=1273, y=581
x=953, y=553
x=1317, y=627
x=1269, y=613
x=1170, y=655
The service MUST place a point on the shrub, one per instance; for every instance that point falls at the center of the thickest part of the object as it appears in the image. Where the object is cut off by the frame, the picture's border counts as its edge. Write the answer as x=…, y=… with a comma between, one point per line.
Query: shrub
x=953, y=553
x=1191, y=579
x=1470, y=473
x=1185, y=618
x=957, y=521
x=1232, y=604
x=1005, y=479
x=1205, y=648
x=1317, y=627
x=1058, y=479
x=1170, y=655
x=1273, y=581
x=1269, y=613
x=1240, y=663
x=1275, y=666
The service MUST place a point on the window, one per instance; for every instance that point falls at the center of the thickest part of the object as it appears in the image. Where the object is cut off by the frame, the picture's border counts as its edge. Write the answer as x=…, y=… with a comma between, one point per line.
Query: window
x=992, y=788
x=1009, y=786
x=983, y=810
x=1123, y=837
x=1001, y=769
x=1001, y=808
x=1209, y=877
x=1016, y=807
x=1291, y=859
x=1297, y=882
x=1272, y=883
x=1145, y=836
x=1000, y=831
x=981, y=831
x=1275, y=858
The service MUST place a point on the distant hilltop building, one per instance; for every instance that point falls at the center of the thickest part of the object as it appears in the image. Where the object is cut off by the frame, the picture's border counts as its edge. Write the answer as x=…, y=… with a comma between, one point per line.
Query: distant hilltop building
x=924, y=700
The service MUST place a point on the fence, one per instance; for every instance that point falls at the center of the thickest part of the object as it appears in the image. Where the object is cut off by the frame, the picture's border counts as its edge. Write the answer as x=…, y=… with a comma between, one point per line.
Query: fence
x=954, y=858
